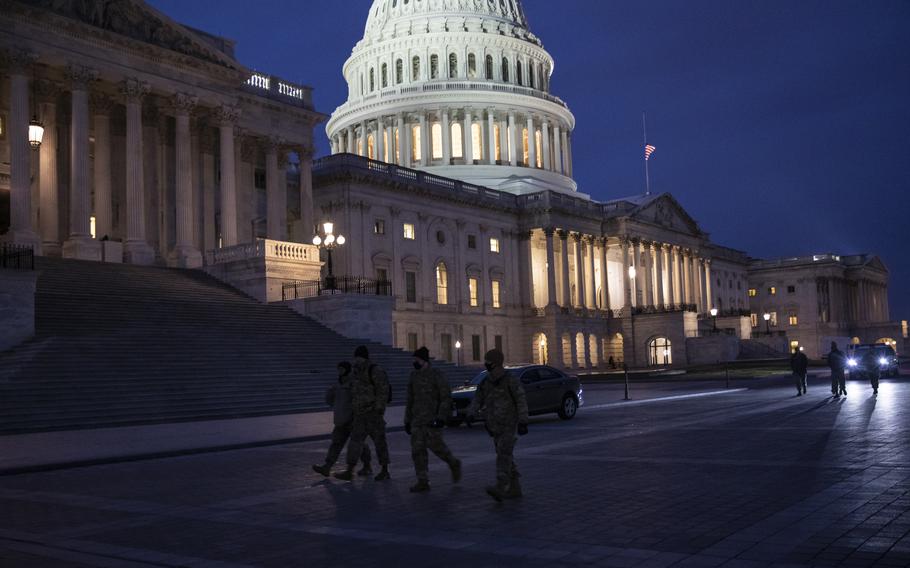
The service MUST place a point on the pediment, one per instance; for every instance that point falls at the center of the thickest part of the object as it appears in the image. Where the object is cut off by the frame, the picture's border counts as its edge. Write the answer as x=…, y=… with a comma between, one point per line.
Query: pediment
x=876, y=263
x=666, y=212
x=138, y=21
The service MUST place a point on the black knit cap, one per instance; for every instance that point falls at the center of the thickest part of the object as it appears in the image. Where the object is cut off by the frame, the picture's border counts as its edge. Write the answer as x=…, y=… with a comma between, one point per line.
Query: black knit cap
x=495, y=357
x=423, y=353
x=362, y=352
x=346, y=366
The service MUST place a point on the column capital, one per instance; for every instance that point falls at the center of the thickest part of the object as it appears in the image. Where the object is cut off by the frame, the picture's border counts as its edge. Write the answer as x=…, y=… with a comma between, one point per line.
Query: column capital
x=47, y=91
x=19, y=61
x=578, y=237
x=101, y=104
x=133, y=90
x=80, y=76
x=563, y=234
x=184, y=103
x=394, y=212
x=227, y=115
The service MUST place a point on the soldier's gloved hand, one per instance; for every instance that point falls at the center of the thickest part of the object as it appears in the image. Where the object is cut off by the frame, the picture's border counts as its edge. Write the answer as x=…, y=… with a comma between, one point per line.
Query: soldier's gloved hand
x=407, y=428
x=437, y=424
x=522, y=429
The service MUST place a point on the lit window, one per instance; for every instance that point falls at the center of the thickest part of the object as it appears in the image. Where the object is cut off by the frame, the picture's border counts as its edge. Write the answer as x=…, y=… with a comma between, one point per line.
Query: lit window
x=379, y=227
x=498, y=139
x=538, y=141
x=772, y=291
x=773, y=321
x=494, y=245
x=794, y=345
x=477, y=145
x=416, y=151
x=91, y=225
x=409, y=232
x=370, y=147
x=524, y=142
x=753, y=292
x=457, y=142
x=472, y=287
x=754, y=318
x=793, y=319
x=442, y=284
x=496, y=301
x=437, y=141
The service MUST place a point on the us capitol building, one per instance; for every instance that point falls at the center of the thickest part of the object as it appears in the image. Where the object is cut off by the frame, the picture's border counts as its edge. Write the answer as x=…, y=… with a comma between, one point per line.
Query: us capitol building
x=451, y=176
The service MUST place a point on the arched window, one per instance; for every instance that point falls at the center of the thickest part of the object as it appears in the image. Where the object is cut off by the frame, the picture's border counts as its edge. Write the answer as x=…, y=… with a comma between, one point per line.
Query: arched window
x=519, y=76
x=457, y=142
x=385, y=75
x=437, y=141
x=415, y=68
x=660, y=352
x=399, y=72
x=372, y=80
x=472, y=66
x=505, y=69
x=453, y=66
x=442, y=284
x=477, y=141
x=434, y=66
x=371, y=152
x=489, y=66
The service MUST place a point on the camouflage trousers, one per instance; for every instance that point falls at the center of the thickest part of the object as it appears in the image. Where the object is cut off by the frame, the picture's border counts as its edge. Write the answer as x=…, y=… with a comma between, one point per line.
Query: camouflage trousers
x=424, y=438
x=340, y=435
x=368, y=425
x=506, y=469
x=838, y=381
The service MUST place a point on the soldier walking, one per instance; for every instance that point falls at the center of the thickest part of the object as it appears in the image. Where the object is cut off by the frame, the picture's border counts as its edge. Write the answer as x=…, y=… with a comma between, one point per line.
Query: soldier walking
x=872, y=369
x=338, y=396
x=799, y=364
x=369, y=398
x=429, y=404
x=838, y=362
x=501, y=399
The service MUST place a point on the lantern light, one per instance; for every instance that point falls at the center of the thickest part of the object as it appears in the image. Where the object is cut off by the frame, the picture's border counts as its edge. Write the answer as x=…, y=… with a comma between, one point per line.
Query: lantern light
x=35, y=133
x=317, y=240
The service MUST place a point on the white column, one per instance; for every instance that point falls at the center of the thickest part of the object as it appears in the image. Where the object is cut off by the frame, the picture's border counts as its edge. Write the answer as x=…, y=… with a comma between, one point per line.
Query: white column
x=591, y=280
x=306, y=193
x=661, y=269
x=446, y=137
x=566, y=165
x=276, y=191
x=364, y=140
x=491, y=136
x=49, y=201
x=568, y=149
x=380, y=140
x=424, y=140
x=135, y=250
x=185, y=254
x=468, y=136
x=349, y=132
x=532, y=143
x=557, y=148
x=624, y=277
x=504, y=139
x=525, y=284
x=551, y=267
x=101, y=107
x=645, y=274
x=514, y=142
x=699, y=285
x=708, y=295
x=545, y=136
x=604, y=276
x=392, y=159
x=564, y=253
x=227, y=116
x=579, y=270
x=21, y=230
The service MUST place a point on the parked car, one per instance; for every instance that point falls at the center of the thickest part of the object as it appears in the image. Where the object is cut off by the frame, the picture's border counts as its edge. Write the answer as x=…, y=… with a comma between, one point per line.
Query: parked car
x=547, y=390
x=859, y=357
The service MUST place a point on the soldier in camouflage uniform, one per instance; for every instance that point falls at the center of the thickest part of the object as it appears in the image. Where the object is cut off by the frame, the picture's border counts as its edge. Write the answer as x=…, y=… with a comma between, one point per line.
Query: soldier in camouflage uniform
x=369, y=397
x=501, y=399
x=429, y=404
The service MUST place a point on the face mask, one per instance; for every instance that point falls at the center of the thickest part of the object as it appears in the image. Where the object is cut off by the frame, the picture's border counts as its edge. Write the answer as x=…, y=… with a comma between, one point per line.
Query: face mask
x=488, y=366
x=418, y=366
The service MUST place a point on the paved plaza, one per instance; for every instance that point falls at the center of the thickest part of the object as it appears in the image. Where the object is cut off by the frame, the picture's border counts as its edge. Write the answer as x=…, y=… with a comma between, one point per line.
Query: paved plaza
x=753, y=476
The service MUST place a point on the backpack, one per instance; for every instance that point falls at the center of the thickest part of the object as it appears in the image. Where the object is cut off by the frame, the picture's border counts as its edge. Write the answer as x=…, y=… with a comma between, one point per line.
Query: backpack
x=388, y=384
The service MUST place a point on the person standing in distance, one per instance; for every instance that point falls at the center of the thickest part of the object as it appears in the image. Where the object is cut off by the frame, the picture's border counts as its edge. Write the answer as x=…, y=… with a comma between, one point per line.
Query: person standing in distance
x=429, y=404
x=501, y=399
x=838, y=362
x=338, y=396
x=799, y=364
x=369, y=398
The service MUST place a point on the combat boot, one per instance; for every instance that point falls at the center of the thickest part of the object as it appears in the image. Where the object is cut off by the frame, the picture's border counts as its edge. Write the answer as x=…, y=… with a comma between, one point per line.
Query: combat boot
x=514, y=491
x=365, y=471
x=323, y=470
x=346, y=475
x=455, y=466
x=383, y=474
x=422, y=486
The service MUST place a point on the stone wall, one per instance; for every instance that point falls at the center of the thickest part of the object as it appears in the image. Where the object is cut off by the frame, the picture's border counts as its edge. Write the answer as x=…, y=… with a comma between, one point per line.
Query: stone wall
x=260, y=269
x=639, y=330
x=17, y=307
x=358, y=316
x=712, y=349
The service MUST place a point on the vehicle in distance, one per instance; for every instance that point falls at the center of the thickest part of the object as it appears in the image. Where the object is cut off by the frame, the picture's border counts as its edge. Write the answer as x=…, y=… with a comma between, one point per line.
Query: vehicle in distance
x=860, y=359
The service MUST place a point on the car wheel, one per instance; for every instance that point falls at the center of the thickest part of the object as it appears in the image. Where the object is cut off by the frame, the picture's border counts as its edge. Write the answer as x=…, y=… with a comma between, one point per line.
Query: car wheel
x=568, y=408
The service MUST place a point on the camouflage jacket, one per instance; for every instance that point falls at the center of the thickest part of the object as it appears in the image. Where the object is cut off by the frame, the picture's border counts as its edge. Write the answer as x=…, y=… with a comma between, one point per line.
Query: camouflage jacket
x=501, y=400
x=429, y=397
x=369, y=389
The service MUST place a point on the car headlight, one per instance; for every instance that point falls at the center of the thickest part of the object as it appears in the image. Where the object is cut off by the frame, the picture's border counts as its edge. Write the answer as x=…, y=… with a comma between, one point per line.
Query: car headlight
x=883, y=362
x=851, y=362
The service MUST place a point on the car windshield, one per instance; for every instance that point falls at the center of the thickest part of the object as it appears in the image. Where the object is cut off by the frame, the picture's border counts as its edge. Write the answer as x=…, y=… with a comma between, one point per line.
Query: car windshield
x=877, y=349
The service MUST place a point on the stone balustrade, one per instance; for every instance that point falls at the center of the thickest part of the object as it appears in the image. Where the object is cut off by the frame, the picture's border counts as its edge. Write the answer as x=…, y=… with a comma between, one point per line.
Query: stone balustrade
x=267, y=249
x=279, y=89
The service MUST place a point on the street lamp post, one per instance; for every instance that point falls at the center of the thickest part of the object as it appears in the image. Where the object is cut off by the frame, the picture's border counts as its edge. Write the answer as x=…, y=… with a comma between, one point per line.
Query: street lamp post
x=329, y=241
x=714, y=317
x=767, y=318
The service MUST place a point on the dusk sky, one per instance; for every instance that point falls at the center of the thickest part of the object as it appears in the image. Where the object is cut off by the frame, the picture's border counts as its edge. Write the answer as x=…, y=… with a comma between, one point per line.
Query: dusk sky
x=780, y=125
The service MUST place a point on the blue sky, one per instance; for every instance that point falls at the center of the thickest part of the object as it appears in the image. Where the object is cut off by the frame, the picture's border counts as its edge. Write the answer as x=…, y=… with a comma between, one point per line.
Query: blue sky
x=781, y=125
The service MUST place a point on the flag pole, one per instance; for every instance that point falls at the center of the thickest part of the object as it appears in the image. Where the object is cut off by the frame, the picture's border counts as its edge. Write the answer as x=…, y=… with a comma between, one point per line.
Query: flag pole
x=644, y=131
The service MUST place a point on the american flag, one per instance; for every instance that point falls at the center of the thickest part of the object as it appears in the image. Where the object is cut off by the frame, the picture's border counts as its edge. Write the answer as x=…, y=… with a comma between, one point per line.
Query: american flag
x=649, y=149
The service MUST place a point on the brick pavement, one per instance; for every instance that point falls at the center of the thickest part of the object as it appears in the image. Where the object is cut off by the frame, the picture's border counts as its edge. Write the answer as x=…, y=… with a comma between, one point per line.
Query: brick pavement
x=750, y=478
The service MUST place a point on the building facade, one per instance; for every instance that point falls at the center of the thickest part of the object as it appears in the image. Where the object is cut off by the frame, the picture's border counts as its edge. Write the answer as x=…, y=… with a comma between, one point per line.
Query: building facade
x=158, y=145
x=822, y=298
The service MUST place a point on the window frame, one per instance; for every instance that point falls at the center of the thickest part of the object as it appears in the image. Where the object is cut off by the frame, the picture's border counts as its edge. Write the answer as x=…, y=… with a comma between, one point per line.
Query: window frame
x=409, y=229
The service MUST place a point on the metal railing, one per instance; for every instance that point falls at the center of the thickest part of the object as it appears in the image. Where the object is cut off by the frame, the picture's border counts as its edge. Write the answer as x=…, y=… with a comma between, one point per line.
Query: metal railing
x=336, y=285
x=17, y=257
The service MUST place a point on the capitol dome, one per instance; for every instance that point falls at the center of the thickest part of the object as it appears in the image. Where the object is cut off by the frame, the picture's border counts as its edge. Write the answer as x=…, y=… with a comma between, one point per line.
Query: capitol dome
x=459, y=88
